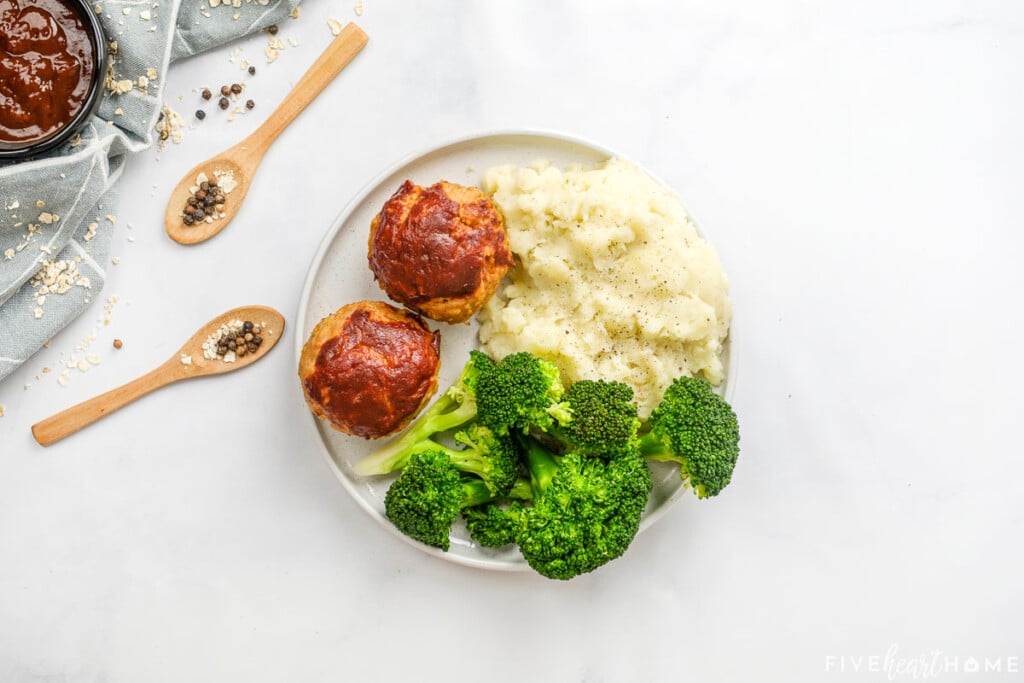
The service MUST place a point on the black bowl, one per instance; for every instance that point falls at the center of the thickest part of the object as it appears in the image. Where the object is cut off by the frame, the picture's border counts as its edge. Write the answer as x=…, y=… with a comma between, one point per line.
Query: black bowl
x=98, y=38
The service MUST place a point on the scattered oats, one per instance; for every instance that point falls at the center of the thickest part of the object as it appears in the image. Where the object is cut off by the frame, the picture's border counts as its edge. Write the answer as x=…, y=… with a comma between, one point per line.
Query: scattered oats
x=214, y=3
x=9, y=253
x=108, y=308
x=46, y=370
x=335, y=26
x=295, y=12
x=170, y=127
x=126, y=11
x=293, y=41
x=40, y=203
x=186, y=359
x=76, y=140
x=98, y=8
x=13, y=205
x=94, y=359
x=273, y=49
x=116, y=260
x=91, y=230
x=111, y=217
x=226, y=181
x=82, y=366
x=122, y=86
x=151, y=73
x=359, y=8
x=131, y=238
x=62, y=379
x=38, y=312
x=47, y=218
x=145, y=15
x=236, y=16
x=119, y=112
x=2, y=409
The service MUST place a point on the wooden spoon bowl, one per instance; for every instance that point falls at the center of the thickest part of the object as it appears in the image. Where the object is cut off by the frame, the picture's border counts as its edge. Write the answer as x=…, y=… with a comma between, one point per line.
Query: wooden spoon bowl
x=242, y=159
x=189, y=362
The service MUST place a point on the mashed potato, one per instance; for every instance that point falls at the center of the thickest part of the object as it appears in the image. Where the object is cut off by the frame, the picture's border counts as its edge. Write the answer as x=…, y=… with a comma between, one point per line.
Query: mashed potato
x=612, y=279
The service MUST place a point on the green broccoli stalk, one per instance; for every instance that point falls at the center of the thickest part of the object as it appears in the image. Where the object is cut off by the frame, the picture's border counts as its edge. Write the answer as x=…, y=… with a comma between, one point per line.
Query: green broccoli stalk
x=454, y=408
x=585, y=511
x=603, y=422
x=521, y=391
x=696, y=428
x=492, y=457
x=426, y=498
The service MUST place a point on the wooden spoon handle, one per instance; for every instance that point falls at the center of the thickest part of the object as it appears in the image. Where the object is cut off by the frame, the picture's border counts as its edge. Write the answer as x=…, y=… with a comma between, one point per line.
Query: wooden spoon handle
x=338, y=54
x=76, y=417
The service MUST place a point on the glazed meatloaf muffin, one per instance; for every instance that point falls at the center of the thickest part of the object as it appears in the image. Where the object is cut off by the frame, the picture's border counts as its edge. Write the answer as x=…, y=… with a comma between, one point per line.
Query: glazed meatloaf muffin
x=369, y=368
x=441, y=250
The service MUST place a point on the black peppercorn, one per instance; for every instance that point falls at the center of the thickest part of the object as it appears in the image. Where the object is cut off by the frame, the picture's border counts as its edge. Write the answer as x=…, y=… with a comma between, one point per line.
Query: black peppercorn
x=236, y=88
x=207, y=94
x=223, y=103
x=272, y=29
x=200, y=114
x=252, y=71
x=249, y=104
x=225, y=90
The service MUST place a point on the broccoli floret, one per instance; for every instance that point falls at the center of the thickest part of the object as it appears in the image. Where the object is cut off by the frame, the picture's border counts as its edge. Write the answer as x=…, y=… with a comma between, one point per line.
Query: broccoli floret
x=696, y=428
x=428, y=495
x=585, y=511
x=426, y=498
x=604, y=419
x=521, y=391
x=493, y=525
x=454, y=408
x=492, y=457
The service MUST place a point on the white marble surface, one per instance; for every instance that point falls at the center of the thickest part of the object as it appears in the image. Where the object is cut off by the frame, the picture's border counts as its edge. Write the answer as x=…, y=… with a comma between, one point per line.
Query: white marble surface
x=858, y=167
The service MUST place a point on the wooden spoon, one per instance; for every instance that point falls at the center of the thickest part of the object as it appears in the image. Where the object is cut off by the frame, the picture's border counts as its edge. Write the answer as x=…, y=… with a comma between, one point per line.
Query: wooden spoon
x=240, y=161
x=187, y=363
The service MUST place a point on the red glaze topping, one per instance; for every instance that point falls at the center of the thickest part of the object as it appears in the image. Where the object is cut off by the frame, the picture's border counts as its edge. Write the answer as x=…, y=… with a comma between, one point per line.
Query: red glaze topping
x=46, y=68
x=429, y=245
x=376, y=373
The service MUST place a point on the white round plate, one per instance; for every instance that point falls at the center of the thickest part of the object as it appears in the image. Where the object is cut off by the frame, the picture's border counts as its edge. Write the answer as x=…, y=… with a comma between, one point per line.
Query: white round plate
x=339, y=274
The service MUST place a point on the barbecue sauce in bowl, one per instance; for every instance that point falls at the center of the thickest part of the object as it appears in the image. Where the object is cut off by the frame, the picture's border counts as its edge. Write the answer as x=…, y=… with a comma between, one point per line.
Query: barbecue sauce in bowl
x=51, y=53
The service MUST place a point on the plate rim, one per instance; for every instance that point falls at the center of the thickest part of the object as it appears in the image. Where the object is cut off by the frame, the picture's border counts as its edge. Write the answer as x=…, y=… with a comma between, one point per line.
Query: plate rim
x=331, y=234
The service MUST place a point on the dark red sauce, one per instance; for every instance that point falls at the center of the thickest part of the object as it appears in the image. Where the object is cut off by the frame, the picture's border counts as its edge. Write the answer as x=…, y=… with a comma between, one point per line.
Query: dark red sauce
x=47, y=66
x=438, y=247
x=375, y=374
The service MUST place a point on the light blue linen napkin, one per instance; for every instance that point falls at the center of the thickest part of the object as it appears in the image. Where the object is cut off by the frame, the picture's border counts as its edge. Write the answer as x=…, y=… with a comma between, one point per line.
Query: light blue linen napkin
x=57, y=211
